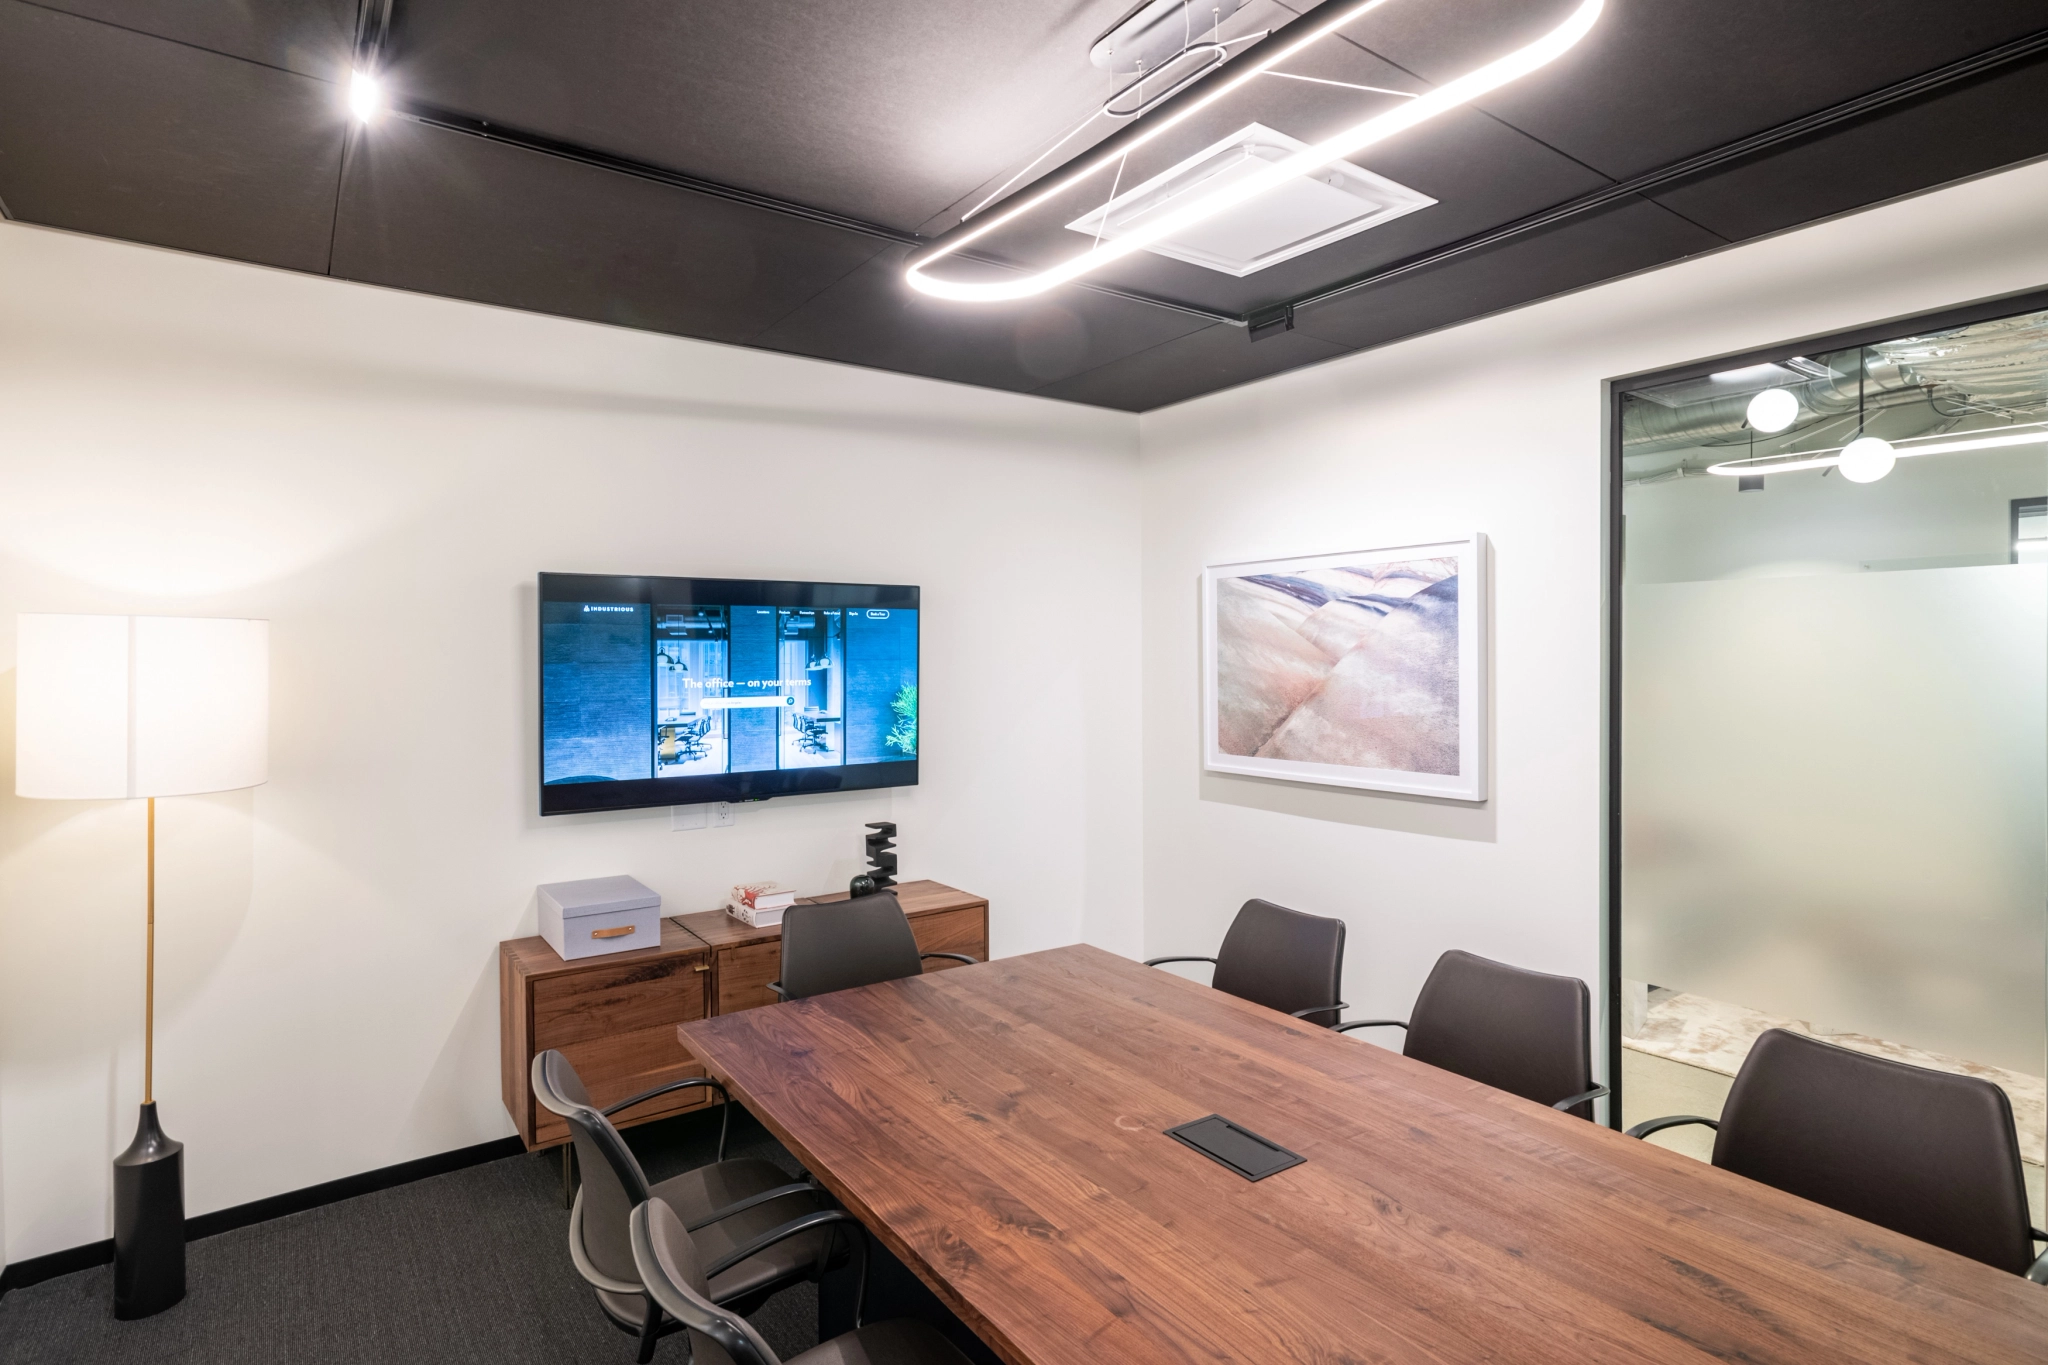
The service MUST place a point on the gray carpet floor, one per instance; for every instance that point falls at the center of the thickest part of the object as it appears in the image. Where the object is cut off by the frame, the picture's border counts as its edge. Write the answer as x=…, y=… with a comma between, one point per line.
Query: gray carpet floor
x=468, y=1266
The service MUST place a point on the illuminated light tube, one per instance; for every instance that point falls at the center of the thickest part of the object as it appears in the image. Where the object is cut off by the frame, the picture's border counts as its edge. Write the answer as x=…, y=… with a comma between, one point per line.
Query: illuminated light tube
x=1377, y=129
x=365, y=96
x=1826, y=459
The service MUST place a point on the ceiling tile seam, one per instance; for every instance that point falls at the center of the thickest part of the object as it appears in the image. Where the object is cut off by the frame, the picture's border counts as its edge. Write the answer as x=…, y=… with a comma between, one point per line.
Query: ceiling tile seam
x=1588, y=167
x=814, y=296
x=348, y=143
x=1807, y=126
x=174, y=42
x=1128, y=355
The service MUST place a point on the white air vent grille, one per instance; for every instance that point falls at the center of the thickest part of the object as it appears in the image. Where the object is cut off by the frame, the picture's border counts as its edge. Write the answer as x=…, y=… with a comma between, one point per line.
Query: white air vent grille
x=1299, y=216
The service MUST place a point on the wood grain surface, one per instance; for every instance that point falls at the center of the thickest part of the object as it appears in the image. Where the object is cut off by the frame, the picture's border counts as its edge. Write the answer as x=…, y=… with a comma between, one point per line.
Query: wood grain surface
x=613, y=1016
x=999, y=1127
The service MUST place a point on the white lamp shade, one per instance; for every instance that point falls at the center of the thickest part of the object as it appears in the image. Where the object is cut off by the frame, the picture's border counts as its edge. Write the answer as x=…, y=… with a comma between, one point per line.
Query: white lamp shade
x=118, y=706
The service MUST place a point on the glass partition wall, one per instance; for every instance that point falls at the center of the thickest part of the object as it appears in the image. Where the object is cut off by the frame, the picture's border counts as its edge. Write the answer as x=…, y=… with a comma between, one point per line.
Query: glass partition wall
x=1832, y=782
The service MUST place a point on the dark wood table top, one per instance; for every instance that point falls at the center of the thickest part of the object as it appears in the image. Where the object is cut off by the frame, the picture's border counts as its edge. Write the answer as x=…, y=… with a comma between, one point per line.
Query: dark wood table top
x=999, y=1128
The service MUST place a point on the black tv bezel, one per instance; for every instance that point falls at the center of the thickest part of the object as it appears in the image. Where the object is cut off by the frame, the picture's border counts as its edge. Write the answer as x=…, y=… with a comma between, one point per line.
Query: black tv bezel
x=577, y=798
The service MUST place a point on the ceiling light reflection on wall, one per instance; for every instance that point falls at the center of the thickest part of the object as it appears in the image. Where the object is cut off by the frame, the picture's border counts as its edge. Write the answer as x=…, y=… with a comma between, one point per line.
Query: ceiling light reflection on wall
x=1773, y=410
x=365, y=96
x=1357, y=138
x=1905, y=449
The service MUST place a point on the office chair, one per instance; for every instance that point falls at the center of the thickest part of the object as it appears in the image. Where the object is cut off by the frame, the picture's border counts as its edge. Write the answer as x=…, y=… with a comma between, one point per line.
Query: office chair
x=1921, y=1152
x=668, y=1262
x=1282, y=959
x=1528, y=1033
x=843, y=944
x=754, y=1219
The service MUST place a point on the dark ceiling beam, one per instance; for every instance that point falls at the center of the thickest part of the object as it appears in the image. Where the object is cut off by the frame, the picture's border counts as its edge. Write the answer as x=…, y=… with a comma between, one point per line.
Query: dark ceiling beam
x=1863, y=106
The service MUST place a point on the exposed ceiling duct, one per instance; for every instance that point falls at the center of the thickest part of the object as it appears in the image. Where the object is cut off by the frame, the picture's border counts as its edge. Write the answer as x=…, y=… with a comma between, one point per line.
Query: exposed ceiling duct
x=1993, y=369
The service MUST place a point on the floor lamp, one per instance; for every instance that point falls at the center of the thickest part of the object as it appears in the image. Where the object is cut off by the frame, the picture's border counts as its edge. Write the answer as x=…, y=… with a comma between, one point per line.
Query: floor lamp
x=115, y=707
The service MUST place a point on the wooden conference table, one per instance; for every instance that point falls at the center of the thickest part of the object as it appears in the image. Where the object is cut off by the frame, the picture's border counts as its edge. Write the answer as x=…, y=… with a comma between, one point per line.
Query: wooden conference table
x=999, y=1128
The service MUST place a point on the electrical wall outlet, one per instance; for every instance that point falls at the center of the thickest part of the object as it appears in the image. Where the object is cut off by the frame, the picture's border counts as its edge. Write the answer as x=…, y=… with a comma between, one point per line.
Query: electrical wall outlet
x=716, y=815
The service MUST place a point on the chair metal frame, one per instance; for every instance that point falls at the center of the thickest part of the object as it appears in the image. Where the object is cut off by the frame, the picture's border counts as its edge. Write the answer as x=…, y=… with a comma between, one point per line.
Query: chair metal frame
x=1563, y=1106
x=597, y=1123
x=683, y=1307
x=2038, y=1272
x=1292, y=1014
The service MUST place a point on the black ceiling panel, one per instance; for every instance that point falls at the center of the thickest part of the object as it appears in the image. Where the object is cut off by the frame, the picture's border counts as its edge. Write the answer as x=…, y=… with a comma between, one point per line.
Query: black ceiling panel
x=311, y=37
x=1216, y=357
x=1659, y=80
x=217, y=126
x=117, y=133
x=446, y=213
x=1630, y=235
x=890, y=110
x=872, y=318
x=1977, y=127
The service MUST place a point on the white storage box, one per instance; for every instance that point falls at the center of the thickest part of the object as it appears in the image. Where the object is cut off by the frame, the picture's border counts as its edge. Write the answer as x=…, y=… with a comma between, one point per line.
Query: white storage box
x=599, y=915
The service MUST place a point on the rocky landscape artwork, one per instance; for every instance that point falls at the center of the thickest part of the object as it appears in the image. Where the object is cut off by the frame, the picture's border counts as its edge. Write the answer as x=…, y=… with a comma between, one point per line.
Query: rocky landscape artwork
x=1359, y=670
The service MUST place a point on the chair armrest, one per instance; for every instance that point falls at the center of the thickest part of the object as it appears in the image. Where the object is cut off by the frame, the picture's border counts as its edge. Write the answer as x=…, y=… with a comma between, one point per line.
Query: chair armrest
x=769, y=1238
x=957, y=957
x=686, y=1083
x=753, y=1201
x=1369, y=1023
x=780, y=994
x=592, y=1276
x=1596, y=1093
x=1649, y=1126
x=1159, y=961
x=1317, y=1009
x=2039, y=1273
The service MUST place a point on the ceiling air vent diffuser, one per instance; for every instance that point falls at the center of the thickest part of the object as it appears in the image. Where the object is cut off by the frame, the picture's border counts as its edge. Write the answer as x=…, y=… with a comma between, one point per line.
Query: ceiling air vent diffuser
x=1299, y=215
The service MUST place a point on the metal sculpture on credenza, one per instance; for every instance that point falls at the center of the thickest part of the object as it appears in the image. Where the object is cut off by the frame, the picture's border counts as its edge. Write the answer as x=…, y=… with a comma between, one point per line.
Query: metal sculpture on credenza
x=880, y=873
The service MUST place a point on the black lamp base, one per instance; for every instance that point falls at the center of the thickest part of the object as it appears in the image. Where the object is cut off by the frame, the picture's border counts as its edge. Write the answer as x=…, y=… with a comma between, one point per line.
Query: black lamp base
x=149, y=1221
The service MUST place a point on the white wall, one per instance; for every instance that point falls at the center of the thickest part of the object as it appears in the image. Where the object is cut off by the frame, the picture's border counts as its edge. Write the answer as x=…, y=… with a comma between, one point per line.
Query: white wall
x=1495, y=426
x=381, y=475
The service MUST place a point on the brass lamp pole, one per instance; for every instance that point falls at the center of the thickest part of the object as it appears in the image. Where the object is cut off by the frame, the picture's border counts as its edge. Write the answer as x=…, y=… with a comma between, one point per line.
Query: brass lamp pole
x=113, y=707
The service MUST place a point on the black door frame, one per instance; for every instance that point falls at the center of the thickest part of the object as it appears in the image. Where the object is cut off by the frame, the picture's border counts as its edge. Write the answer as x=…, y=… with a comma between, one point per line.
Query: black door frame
x=1961, y=315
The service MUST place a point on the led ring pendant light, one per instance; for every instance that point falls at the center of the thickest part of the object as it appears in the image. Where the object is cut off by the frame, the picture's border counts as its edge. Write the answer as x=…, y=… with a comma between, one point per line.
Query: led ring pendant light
x=1356, y=138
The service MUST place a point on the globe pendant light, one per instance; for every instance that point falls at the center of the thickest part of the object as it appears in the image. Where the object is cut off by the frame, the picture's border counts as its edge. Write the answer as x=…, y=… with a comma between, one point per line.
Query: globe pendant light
x=1866, y=459
x=1773, y=410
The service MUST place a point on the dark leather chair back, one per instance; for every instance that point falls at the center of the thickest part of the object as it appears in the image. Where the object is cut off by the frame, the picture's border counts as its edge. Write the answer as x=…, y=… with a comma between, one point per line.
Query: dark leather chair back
x=667, y=1263
x=845, y=944
x=1528, y=1033
x=1283, y=959
x=613, y=1182
x=1920, y=1152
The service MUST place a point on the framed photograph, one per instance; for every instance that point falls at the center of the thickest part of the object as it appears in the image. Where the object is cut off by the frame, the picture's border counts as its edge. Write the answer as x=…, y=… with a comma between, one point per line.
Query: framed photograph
x=1363, y=670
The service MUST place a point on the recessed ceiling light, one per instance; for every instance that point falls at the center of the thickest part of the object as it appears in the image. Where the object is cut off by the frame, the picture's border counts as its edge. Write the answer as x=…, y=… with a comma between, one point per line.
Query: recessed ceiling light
x=1222, y=198
x=1305, y=213
x=365, y=96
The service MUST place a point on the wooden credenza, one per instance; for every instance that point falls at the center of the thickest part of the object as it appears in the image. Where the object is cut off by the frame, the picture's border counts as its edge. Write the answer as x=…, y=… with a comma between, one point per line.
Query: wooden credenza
x=614, y=1017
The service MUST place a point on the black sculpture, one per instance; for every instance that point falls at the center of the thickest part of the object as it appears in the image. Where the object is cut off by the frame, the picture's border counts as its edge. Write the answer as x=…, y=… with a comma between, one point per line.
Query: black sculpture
x=881, y=857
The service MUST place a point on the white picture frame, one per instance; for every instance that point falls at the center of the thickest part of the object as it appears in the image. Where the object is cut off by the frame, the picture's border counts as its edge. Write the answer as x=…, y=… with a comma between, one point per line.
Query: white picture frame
x=1390, y=689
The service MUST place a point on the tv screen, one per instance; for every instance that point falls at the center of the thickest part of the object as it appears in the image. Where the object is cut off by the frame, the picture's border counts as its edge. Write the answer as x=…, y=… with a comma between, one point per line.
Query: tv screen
x=675, y=691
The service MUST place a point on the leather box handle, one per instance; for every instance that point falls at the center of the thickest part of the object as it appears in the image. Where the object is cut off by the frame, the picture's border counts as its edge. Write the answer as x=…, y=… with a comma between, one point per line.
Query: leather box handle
x=620, y=932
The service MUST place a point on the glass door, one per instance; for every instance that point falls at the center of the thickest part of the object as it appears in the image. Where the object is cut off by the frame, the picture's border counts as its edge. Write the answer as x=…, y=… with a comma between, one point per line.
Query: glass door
x=1833, y=716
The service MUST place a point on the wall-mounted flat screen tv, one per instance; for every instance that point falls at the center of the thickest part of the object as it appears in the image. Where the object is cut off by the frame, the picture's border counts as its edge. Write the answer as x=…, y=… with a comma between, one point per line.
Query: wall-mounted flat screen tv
x=676, y=691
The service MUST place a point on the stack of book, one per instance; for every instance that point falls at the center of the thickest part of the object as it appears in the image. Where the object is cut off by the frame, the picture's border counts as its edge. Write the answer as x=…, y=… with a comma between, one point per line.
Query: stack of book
x=759, y=904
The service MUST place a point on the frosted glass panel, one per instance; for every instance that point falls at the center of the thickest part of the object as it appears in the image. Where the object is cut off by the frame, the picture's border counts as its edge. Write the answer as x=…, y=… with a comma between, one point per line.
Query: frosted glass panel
x=1834, y=801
